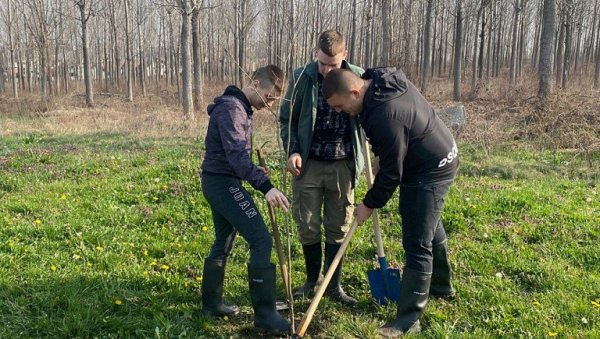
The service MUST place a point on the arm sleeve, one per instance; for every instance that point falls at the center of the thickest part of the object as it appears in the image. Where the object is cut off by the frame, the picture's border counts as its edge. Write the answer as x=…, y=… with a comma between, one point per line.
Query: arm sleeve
x=232, y=129
x=392, y=141
x=288, y=111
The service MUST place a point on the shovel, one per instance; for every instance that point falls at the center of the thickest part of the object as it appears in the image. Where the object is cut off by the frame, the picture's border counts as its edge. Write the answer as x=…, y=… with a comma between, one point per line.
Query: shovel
x=384, y=281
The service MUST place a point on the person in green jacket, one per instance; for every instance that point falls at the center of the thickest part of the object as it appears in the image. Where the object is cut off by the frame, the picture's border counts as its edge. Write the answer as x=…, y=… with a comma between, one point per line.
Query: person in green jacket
x=325, y=158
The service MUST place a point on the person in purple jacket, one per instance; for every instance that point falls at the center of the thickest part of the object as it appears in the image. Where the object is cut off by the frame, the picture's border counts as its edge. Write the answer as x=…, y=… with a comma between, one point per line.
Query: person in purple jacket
x=227, y=162
x=416, y=153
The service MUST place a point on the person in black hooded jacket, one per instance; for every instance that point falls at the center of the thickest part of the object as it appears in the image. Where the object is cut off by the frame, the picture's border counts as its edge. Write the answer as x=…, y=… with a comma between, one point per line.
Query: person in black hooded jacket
x=227, y=162
x=414, y=151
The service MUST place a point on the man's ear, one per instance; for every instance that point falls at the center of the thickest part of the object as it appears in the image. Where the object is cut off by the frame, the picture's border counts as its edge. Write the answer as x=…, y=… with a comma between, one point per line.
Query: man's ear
x=345, y=54
x=355, y=93
x=256, y=83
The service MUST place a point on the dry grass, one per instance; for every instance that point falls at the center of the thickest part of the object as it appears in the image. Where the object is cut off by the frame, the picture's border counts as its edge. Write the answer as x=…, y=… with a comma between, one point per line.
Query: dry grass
x=498, y=114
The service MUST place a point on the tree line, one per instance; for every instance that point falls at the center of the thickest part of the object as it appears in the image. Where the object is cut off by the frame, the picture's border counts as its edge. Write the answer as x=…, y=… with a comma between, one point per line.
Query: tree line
x=136, y=46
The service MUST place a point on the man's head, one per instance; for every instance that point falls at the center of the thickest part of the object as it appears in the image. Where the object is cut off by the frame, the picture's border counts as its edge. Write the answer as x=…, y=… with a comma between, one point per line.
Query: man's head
x=331, y=51
x=344, y=91
x=265, y=87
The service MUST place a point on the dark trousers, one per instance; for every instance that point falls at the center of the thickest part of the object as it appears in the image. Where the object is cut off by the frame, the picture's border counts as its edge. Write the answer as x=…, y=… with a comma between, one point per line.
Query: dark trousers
x=420, y=207
x=233, y=211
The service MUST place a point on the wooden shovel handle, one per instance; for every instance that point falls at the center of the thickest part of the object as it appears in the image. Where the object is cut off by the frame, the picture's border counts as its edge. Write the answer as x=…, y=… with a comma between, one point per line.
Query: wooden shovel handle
x=277, y=238
x=319, y=294
x=370, y=179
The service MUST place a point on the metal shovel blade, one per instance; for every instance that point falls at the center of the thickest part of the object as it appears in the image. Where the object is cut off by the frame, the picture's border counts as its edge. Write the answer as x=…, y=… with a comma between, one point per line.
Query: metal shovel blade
x=384, y=283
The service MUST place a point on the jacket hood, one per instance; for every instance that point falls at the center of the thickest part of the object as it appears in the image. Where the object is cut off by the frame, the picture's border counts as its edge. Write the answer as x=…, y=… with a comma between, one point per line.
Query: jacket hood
x=387, y=84
x=235, y=92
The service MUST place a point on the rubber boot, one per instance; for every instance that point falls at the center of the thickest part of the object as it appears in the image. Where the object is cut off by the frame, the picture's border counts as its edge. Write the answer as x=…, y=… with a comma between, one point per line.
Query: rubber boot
x=262, y=292
x=212, y=289
x=312, y=260
x=413, y=299
x=441, y=287
x=334, y=289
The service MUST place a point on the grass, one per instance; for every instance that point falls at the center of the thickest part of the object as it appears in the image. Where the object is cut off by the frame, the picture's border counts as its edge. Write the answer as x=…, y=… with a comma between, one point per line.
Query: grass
x=103, y=235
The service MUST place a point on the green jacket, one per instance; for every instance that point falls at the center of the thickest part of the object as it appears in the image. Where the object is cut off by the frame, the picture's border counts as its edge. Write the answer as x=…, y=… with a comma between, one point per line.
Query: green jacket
x=297, y=131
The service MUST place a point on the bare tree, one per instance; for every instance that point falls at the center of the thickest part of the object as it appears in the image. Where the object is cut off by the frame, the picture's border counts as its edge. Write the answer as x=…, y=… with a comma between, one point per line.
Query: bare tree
x=11, y=46
x=85, y=12
x=546, y=50
x=130, y=70
x=426, y=47
x=458, y=44
x=185, y=8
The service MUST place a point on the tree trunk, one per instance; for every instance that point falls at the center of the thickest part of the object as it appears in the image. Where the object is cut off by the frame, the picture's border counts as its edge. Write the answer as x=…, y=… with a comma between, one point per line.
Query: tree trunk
x=140, y=22
x=513, y=51
x=458, y=51
x=197, y=57
x=128, y=49
x=13, y=76
x=567, y=53
x=481, y=45
x=186, y=69
x=559, y=51
x=89, y=92
x=387, y=32
x=546, y=50
x=426, y=47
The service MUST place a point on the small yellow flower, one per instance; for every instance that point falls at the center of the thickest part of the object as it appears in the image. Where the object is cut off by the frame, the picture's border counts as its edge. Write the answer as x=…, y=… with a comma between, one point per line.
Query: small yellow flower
x=155, y=198
x=89, y=264
x=204, y=228
x=37, y=221
x=99, y=248
x=118, y=302
x=164, y=267
x=145, y=273
x=552, y=334
x=165, y=187
x=76, y=256
x=53, y=268
x=225, y=318
x=63, y=197
x=537, y=303
x=153, y=263
x=145, y=252
x=595, y=303
x=198, y=278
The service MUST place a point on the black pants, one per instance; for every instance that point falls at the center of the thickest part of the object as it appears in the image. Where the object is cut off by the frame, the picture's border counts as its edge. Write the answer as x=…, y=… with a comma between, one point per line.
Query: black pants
x=420, y=207
x=233, y=210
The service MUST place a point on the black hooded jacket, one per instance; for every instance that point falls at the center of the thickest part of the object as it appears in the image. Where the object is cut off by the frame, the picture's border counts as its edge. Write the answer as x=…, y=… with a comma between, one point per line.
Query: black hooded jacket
x=414, y=146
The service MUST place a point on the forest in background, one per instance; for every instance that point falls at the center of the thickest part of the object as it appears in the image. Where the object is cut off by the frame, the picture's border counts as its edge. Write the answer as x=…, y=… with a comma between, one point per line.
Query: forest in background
x=138, y=47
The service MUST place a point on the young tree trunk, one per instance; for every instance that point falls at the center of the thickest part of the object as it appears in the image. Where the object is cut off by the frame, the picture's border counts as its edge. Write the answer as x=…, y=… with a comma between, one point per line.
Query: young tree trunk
x=352, y=50
x=513, y=50
x=197, y=57
x=186, y=66
x=559, y=51
x=567, y=52
x=426, y=47
x=458, y=43
x=140, y=22
x=84, y=13
x=481, y=45
x=128, y=49
x=546, y=50
x=387, y=32
x=12, y=52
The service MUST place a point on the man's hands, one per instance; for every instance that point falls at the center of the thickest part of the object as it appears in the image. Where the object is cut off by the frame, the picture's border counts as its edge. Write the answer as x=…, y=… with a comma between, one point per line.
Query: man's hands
x=277, y=199
x=294, y=164
x=362, y=213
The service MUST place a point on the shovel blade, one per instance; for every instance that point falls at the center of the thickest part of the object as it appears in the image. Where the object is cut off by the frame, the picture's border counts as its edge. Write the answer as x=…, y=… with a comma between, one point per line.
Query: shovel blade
x=385, y=284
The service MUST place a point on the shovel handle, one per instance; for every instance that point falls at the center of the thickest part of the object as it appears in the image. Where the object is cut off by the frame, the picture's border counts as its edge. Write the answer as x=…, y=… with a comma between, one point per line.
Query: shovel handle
x=319, y=294
x=370, y=179
x=277, y=238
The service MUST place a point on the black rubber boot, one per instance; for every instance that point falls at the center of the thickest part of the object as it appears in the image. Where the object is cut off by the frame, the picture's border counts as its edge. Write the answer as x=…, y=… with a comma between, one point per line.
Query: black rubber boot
x=212, y=289
x=312, y=260
x=334, y=290
x=262, y=293
x=413, y=299
x=441, y=286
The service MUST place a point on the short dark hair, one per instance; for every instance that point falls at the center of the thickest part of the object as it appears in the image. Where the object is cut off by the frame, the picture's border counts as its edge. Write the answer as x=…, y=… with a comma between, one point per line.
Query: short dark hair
x=269, y=75
x=338, y=81
x=331, y=42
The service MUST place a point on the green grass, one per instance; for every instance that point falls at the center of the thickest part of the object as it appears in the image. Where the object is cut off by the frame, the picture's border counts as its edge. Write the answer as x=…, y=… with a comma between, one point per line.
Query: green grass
x=104, y=235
